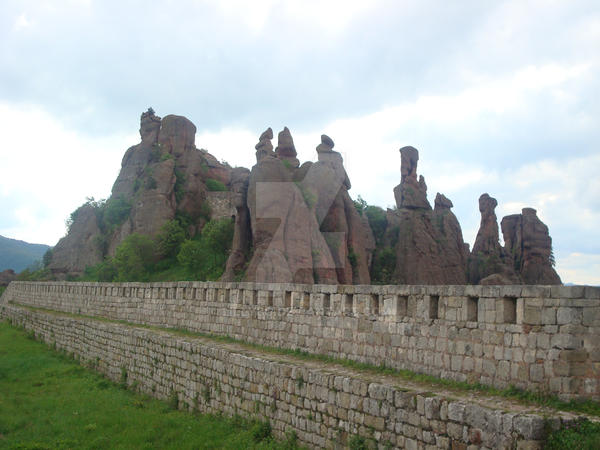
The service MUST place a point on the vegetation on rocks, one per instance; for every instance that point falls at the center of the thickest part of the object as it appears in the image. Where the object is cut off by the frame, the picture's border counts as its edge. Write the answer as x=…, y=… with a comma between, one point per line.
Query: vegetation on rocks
x=171, y=255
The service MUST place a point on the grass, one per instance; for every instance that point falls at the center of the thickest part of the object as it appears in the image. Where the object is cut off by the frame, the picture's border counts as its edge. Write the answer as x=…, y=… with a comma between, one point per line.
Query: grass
x=578, y=435
x=49, y=401
x=2, y=289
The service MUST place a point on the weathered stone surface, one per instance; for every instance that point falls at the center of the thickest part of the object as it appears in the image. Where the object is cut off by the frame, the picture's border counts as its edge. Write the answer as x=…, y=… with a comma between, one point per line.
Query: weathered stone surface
x=357, y=322
x=162, y=175
x=429, y=245
x=488, y=256
x=527, y=240
x=264, y=147
x=303, y=223
x=285, y=148
x=242, y=236
x=79, y=248
x=149, y=127
x=411, y=193
x=321, y=409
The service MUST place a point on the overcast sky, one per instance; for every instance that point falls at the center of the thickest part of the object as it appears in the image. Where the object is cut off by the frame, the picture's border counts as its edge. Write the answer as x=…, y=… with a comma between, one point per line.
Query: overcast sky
x=500, y=97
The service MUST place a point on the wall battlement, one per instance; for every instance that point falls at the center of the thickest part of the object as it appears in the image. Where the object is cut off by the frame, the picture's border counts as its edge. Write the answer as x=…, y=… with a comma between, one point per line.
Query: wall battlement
x=534, y=337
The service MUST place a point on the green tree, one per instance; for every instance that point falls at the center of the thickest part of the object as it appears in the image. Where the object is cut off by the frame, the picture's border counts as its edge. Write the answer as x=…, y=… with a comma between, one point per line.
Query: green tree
x=134, y=258
x=169, y=239
x=206, y=257
x=377, y=221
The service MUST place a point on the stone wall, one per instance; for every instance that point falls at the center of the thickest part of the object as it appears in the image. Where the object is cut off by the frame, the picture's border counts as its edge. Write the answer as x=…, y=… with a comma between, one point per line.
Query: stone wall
x=324, y=407
x=534, y=337
x=220, y=204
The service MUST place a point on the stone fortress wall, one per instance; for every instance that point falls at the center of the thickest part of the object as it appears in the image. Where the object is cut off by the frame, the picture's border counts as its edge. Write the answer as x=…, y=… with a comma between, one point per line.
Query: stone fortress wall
x=325, y=406
x=533, y=337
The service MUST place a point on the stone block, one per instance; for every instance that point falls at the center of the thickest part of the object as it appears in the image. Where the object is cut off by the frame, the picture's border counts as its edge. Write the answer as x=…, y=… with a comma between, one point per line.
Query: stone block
x=566, y=315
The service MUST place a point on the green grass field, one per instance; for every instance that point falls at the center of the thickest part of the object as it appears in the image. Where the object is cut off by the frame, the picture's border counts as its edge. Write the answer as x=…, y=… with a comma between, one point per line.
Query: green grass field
x=49, y=401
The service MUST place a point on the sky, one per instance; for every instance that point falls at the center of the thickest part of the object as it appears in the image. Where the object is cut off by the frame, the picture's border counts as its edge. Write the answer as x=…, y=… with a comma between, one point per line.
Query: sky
x=498, y=96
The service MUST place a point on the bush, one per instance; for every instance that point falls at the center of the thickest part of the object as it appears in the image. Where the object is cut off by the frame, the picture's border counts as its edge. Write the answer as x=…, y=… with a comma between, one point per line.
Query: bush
x=580, y=434
x=115, y=211
x=169, y=239
x=377, y=221
x=360, y=205
x=215, y=185
x=384, y=265
x=261, y=431
x=205, y=258
x=134, y=258
x=105, y=271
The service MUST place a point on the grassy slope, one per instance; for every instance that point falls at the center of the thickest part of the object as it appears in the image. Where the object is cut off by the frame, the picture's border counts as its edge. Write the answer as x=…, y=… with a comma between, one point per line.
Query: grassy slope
x=49, y=401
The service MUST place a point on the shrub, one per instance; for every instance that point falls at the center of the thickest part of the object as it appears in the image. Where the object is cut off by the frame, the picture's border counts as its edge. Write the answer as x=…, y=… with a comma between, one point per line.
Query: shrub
x=205, y=258
x=261, y=431
x=377, y=221
x=384, y=265
x=579, y=434
x=215, y=185
x=169, y=239
x=116, y=211
x=179, y=184
x=134, y=258
x=360, y=205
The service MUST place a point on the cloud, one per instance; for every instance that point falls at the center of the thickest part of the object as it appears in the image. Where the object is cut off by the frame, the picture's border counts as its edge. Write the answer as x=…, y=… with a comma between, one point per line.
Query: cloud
x=48, y=171
x=580, y=268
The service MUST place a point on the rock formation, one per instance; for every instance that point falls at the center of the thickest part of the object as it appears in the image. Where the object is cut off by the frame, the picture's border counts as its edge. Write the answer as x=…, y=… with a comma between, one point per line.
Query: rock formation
x=297, y=223
x=527, y=253
x=428, y=243
x=488, y=256
x=162, y=177
x=529, y=245
x=303, y=225
x=80, y=247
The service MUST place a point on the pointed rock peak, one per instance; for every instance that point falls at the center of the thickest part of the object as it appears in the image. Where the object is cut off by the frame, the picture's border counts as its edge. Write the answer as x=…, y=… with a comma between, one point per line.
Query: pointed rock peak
x=149, y=115
x=529, y=212
x=487, y=204
x=285, y=148
x=149, y=126
x=441, y=201
x=326, y=140
x=285, y=143
x=267, y=134
x=409, y=158
x=264, y=147
x=326, y=145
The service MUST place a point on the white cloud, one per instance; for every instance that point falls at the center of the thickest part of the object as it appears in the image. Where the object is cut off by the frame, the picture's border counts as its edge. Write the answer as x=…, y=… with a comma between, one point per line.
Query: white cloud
x=579, y=268
x=22, y=22
x=49, y=170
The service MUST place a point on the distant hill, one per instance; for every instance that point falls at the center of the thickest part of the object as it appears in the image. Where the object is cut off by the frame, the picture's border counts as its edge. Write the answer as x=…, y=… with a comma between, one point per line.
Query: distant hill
x=18, y=255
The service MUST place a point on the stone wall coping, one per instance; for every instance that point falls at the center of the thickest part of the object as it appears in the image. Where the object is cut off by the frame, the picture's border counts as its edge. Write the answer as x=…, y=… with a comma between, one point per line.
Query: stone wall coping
x=516, y=291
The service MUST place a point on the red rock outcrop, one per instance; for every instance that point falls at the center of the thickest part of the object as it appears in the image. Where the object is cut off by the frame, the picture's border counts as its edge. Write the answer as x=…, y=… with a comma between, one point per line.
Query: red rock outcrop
x=428, y=244
x=303, y=224
x=79, y=248
x=161, y=177
x=529, y=245
x=488, y=256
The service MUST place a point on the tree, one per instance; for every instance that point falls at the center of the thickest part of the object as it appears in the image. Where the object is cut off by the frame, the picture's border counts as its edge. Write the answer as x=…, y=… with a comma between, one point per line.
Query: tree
x=134, y=258
x=170, y=238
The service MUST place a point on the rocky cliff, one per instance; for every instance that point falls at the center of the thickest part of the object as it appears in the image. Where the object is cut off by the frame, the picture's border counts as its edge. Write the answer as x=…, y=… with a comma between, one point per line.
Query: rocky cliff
x=296, y=222
x=429, y=245
x=300, y=219
x=163, y=177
